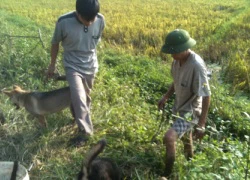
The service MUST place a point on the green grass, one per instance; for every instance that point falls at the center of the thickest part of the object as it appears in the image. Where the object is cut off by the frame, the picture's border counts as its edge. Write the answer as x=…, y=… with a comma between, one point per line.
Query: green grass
x=131, y=80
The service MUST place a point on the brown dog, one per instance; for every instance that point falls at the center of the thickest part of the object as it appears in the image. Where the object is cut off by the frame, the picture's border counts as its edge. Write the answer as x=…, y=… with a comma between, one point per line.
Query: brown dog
x=98, y=168
x=40, y=103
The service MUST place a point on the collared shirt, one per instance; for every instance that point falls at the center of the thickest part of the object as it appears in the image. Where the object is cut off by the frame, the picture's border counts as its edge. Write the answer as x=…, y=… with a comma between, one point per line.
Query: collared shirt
x=79, y=42
x=190, y=84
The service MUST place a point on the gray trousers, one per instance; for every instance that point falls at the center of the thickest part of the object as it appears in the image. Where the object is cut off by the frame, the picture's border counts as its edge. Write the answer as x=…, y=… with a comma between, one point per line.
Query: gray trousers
x=80, y=88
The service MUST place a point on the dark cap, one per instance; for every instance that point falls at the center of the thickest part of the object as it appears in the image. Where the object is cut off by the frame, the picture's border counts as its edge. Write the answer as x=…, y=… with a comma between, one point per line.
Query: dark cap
x=177, y=41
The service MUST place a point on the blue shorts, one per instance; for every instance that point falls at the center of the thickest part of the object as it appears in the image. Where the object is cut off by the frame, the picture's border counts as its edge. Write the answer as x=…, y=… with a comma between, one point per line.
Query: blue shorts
x=181, y=126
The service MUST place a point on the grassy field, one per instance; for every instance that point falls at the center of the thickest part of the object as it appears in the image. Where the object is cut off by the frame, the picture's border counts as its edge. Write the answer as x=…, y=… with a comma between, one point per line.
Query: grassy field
x=133, y=76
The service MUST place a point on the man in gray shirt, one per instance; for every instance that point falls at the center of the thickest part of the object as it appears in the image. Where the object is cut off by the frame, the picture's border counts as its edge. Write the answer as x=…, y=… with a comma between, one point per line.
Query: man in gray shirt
x=192, y=95
x=79, y=33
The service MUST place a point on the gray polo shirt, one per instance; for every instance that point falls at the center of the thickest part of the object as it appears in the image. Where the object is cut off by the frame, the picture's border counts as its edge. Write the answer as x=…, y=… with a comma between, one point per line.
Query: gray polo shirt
x=79, y=42
x=190, y=84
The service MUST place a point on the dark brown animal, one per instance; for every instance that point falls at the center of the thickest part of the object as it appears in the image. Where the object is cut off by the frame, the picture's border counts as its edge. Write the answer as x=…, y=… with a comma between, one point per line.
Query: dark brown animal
x=94, y=168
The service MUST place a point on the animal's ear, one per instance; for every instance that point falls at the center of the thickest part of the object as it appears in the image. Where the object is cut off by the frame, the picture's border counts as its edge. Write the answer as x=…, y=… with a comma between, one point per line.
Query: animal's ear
x=16, y=87
x=8, y=93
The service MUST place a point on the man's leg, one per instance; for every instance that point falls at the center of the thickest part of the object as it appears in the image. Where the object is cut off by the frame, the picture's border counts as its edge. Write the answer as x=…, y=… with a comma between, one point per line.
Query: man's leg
x=88, y=82
x=188, y=145
x=179, y=128
x=80, y=87
x=169, y=141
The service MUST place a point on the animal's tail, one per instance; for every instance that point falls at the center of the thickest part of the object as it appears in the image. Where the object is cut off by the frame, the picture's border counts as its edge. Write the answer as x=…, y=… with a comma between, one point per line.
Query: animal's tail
x=92, y=154
x=94, y=151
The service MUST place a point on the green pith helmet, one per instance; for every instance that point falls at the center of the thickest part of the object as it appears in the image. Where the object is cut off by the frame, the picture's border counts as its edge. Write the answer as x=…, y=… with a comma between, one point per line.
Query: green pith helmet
x=177, y=41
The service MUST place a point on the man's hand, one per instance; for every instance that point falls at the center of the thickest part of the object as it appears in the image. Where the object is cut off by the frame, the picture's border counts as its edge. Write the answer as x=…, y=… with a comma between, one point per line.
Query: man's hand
x=51, y=71
x=199, y=133
x=162, y=102
x=164, y=99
